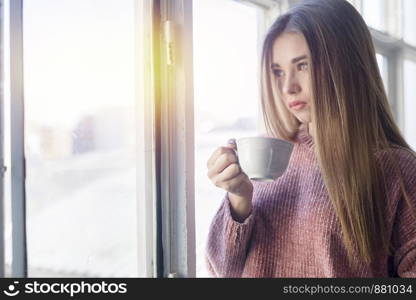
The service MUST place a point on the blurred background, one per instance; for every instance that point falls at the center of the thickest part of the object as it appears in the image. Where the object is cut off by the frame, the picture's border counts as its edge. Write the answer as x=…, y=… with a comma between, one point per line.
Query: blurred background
x=80, y=119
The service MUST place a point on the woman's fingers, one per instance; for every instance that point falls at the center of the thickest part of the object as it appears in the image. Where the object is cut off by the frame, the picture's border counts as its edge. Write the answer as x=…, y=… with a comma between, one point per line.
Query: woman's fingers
x=229, y=173
x=231, y=146
x=225, y=172
x=215, y=155
x=222, y=162
x=234, y=184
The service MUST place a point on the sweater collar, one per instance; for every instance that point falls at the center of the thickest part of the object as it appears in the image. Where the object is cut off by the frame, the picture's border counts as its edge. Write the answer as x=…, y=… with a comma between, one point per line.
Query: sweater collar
x=303, y=135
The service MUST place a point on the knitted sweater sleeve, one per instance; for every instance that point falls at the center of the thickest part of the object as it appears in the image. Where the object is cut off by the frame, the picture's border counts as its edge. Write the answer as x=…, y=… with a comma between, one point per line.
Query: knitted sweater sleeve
x=404, y=228
x=228, y=242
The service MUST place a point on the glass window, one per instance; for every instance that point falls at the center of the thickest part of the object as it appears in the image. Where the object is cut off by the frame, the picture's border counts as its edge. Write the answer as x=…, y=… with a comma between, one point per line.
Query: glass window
x=410, y=102
x=226, y=95
x=80, y=138
x=374, y=13
x=382, y=65
x=356, y=4
x=409, y=21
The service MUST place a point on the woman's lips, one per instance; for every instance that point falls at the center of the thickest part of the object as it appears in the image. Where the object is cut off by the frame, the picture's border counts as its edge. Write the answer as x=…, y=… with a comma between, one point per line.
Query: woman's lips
x=297, y=105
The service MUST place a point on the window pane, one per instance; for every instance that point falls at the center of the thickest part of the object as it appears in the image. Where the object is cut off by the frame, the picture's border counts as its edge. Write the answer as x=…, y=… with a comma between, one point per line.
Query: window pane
x=356, y=4
x=80, y=138
x=410, y=102
x=382, y=65
x=374, y=12
x=226, y=94
x=409, y=20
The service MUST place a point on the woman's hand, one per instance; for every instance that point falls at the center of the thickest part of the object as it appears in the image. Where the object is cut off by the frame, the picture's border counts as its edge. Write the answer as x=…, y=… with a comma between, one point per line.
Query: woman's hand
x=225, y=172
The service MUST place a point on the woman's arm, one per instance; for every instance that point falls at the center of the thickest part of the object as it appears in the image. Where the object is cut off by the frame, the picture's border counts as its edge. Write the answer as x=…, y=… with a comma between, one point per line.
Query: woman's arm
x=228, y=241
x=404, y=228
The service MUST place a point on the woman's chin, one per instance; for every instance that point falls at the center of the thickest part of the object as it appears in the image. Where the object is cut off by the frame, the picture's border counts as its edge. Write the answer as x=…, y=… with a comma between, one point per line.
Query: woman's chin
x=303, y=117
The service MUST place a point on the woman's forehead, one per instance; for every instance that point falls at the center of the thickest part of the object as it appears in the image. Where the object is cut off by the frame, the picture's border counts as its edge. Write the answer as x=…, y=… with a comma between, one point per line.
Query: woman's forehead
x=289, y=45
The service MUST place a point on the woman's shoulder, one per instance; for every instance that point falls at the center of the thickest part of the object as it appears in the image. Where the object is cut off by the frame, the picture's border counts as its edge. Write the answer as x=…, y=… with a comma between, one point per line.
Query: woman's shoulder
x=403, y=156
x=398, y=158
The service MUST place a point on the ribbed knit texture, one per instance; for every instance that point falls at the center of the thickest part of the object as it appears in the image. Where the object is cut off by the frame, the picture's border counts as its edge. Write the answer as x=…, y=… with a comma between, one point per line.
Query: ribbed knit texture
x=293, y=230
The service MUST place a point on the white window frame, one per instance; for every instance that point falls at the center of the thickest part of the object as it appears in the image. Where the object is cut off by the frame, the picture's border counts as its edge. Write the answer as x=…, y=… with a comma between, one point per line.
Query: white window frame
x=2, y=170
x=391, y=45
x=19, y=257
x=177, y=139
x=147, y=218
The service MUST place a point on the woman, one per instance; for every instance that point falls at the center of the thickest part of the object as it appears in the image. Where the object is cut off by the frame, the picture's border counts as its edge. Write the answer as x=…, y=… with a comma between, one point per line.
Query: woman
x=345, y=207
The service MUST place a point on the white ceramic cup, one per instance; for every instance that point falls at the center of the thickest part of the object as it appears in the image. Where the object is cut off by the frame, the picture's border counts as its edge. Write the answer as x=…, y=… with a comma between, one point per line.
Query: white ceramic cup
x=263, y=158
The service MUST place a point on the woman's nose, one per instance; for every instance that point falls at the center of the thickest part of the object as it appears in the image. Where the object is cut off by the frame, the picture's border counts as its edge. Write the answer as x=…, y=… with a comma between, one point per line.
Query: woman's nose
x=291, y=85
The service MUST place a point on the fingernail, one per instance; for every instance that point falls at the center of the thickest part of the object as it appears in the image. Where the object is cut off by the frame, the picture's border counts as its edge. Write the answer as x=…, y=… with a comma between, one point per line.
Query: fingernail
x=231, y=141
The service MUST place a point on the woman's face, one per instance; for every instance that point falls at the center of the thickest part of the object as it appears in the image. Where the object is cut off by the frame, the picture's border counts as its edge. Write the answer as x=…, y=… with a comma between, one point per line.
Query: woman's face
x=290, y=66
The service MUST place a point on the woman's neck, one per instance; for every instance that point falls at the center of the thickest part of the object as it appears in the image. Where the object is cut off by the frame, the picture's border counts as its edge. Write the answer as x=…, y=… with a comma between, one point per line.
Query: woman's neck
x=310, y=130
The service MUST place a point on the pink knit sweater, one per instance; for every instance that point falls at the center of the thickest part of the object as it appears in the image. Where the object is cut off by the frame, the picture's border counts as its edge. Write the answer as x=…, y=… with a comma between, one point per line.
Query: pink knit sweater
x=293, y=230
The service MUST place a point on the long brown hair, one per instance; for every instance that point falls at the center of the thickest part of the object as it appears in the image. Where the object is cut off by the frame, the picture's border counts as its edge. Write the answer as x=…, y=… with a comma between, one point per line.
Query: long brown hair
x=350, y=113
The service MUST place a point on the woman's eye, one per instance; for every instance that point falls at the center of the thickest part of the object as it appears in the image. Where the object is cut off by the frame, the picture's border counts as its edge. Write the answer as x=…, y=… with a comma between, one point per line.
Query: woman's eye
x=278, y=73
x=303, y=66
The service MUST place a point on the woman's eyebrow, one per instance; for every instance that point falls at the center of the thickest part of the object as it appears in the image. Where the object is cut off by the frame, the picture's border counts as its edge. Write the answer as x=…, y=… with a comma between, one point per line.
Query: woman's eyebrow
x=294, y=60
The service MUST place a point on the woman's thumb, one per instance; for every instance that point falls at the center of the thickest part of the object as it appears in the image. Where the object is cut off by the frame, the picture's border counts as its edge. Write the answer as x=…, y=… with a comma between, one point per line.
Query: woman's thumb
x=232, y=143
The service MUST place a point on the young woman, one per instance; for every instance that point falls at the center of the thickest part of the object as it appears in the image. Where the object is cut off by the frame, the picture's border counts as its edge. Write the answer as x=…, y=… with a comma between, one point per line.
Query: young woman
x=346, y=204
